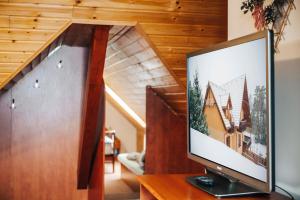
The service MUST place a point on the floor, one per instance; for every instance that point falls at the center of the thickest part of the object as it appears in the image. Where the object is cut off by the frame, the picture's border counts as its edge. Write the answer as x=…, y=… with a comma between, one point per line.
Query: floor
x=115, y=188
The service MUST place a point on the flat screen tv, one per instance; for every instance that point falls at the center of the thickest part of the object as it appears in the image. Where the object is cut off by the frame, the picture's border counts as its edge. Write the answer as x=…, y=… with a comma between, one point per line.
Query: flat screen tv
x=231, y=115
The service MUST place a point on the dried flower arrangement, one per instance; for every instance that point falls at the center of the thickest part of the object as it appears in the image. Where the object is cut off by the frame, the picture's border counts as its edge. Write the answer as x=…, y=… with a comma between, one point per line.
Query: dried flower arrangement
x=269, y=14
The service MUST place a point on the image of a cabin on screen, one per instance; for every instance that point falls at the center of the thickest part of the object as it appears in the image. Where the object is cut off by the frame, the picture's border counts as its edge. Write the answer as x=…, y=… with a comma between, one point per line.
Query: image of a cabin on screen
x=228, y=114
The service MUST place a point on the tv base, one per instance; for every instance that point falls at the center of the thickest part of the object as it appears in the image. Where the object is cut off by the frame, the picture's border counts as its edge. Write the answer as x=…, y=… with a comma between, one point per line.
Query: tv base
x=220, y=186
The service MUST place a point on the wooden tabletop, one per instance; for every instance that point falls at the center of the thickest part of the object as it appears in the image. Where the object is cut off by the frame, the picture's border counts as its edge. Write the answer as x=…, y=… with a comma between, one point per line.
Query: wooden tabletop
x=175, y=187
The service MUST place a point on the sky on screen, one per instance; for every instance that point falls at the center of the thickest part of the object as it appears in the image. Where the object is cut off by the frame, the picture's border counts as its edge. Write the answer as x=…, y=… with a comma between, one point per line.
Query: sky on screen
x=226, y=64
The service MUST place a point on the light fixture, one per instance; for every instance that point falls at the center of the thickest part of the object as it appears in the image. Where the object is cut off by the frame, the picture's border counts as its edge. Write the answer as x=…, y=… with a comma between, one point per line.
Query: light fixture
x=115, y=97
x=59, y=64
x=13, y=105
x=36, y=84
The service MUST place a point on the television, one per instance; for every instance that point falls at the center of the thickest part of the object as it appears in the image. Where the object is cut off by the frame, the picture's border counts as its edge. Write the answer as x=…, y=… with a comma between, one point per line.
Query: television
x=230, y=88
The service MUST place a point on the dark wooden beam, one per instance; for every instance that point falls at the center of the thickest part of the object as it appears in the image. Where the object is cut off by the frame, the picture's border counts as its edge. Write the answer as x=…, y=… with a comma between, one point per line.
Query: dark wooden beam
x=92, y=124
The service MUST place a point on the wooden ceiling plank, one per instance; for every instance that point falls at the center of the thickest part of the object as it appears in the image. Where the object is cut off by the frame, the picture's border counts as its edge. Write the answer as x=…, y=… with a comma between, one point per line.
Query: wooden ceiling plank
x=204, y=6
x=167, y=5
x=90, y=14
x=183, y=30
x=4, y=21
x=4, y=75
x=168, y=89
x=147, y=38
x=55, y=2
x=35, y=54
x=36, y=23
x=8, y=67
x=172, y=29
x=176, y=49
x=14, y=57
x=16, y=45
x=25, y=34
x=185, y=41
x=36, y=10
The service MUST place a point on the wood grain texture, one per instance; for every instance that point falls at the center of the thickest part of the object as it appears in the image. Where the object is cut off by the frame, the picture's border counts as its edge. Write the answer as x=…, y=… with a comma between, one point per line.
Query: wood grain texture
x=131, y=65
x=93, y=106
x=96, y=182
x=175, y=187
x=25, y=34
x=129, y=178
x=166, y=134
x=4, y=21
x=36, y=23
x=171, y=26
x=14, y=57
x=39, y=138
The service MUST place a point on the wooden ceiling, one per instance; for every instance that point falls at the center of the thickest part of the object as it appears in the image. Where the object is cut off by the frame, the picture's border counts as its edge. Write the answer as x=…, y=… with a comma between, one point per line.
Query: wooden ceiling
x=131, y=65
x=171, y=28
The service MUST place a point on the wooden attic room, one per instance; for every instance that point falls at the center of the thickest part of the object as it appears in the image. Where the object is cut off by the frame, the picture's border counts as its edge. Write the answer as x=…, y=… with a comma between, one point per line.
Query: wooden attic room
x=96, y=100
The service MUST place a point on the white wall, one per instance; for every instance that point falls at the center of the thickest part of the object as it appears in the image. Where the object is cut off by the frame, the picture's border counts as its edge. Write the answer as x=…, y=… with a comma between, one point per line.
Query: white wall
x=125, y=131
x=287, y=94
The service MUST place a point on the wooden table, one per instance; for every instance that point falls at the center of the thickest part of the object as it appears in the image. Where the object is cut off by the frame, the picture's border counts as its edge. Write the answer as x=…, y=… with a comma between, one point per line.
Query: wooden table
x=175, y=187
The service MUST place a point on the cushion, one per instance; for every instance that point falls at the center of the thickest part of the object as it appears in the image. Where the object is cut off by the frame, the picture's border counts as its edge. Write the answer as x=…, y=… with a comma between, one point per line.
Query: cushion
x=141, y=159
x=132, y=156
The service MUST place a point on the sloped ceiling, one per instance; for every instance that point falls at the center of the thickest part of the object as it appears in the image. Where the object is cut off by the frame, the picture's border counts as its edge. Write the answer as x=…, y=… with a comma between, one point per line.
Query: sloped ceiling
x=131, y=65
x=171, y=27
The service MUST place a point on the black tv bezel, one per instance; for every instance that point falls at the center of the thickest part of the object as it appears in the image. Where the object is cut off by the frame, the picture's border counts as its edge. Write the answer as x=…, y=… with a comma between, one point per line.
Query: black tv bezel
x=228, y=172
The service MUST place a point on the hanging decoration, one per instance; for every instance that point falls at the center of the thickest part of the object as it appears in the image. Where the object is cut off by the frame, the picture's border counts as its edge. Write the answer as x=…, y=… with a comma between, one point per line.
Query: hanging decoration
x=270, y=14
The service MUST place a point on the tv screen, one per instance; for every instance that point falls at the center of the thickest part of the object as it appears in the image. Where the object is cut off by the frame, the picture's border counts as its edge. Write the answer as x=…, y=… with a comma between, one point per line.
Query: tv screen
x=230, y=98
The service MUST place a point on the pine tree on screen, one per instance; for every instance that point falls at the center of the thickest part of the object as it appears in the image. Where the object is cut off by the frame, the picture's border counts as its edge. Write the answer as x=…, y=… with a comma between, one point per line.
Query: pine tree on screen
x=197, y=117
x=258, y=115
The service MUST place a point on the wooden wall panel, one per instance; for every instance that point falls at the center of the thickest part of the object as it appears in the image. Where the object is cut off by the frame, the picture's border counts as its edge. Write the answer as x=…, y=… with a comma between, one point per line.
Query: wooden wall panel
x=39, y=156
x=166, y=139
x=5, y=147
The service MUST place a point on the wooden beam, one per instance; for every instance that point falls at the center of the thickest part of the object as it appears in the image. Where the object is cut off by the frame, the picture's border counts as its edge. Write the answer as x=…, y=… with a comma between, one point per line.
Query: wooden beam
x=92, y=124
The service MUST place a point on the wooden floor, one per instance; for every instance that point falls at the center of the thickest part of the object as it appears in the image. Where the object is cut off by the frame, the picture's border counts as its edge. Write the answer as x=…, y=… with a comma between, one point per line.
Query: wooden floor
x=115, y=188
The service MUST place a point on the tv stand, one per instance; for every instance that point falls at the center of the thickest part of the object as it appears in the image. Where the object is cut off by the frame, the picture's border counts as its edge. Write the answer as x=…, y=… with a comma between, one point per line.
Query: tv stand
x=175, y=187
x=220, y=186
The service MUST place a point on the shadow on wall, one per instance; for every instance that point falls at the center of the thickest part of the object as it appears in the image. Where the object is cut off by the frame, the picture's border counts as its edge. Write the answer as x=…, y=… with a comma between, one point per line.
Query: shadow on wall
x=287, y=116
